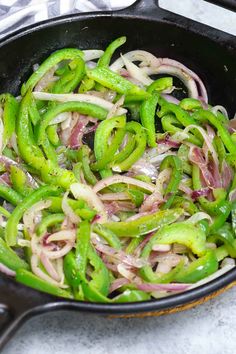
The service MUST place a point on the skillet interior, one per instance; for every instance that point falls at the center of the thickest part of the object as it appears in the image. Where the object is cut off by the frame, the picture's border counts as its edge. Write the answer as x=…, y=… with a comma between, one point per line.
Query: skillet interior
x=209, y=53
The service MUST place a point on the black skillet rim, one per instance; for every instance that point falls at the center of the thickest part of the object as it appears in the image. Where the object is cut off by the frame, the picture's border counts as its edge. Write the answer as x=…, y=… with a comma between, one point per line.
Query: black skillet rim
x=50, y=302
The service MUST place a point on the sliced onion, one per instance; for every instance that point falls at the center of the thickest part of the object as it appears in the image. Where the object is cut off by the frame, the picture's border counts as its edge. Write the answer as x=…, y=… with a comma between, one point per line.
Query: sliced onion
x=143, y=167
x=118, y=283
x=152, y=202
x=203, y=192
x=82, y=191
x=49, y=267
x=47, y=79
x=161, y=248
x=135, y=72
x=37, y=271
x=226, y=175
x=146, y=59
x=125, y=272
x=184, y=188
x=227, y=262
x=116, y=107
x=122, y=179
x=68, y=211
x=60, y=253
x=220, y=109
x=180, y=74
x=64, y=235
x=173, y=287
x=91, y=54
x=232, y=195
x=4, y=269
x=207, y=141
x=114, y=196
x=170, y=98
x=23, y=243
x=118, y=254
x=33, y=215
x=7, y=162
x=60, y=118
x=77, y=97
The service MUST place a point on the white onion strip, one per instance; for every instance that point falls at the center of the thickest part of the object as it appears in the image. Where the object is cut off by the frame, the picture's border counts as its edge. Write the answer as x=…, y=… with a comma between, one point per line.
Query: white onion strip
x=91, y=54
x=33, y=215
x=135, y=72
x=146, y=59
x=77, y=97
x=180, y=74
x=64, y=235
x=122, y=179
x=37, y=271
x=82, y=191
x=68, y=211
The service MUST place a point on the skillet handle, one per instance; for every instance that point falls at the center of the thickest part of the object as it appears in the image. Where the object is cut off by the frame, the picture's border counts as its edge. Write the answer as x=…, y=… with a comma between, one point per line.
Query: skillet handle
x=9, y=323
x=17, y=304
x=228, y=4
x=144, y=8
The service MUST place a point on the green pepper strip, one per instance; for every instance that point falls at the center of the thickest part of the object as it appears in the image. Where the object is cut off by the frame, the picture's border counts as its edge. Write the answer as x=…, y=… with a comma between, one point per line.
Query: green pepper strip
x=9, y=258
x=102, y=136
x=189, y=104
x=131, y=296
x=83, y=157
x=182, y=154
x=144, y=224
x=48, y=221
x=40, y=194
x=126, y=151
x=220, y=194
x=170, y=124
x=10, y=195
x=108, y=235
x=55, y=206
x=106, y=57
x=29, y=279
x=75, y=268
x=19, y=181
x=10, y=111
x=198, y=269
x=81, y=107
x=33, y=111
x=184, y=233
x=51, y=61
x=52, y=135
x=233, y=217
x=161, y=84
x=225, y=136
x=175, y=164
x=70, y=79
x=182, y=116
x=110, y=151
x=147, y=114
x=115, y=82
x=31, y=153
x=225, y=235
x=224, y=210
x=221, y=252
x=186, y=204
x=149, y=275
x=4, y=212
x=140, y=142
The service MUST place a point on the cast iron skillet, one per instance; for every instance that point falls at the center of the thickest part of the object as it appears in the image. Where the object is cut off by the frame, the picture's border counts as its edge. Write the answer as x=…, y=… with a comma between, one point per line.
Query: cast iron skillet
x=211, y=53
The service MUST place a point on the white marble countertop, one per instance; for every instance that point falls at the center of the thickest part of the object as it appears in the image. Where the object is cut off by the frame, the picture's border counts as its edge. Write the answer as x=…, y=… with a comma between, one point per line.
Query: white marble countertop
x=209, y=328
